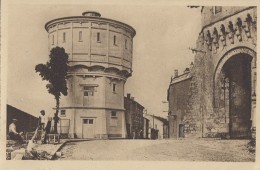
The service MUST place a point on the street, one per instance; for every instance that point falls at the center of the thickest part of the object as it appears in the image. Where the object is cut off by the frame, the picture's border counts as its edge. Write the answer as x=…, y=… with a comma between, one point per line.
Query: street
x=159, y=150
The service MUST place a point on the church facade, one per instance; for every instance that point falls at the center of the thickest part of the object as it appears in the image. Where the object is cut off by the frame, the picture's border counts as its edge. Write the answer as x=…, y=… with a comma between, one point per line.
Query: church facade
x=216, y=96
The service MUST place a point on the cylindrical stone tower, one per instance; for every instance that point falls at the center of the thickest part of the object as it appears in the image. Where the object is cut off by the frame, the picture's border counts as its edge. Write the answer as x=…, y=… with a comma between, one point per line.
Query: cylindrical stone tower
x=100, y=60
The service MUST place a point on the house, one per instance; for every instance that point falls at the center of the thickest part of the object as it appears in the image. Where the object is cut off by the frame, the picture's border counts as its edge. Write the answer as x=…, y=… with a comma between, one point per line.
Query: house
x=134, y=118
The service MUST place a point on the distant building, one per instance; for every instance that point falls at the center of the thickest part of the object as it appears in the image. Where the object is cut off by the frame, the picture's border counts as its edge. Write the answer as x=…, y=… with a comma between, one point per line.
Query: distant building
x=217, y=96
x=100, y=60
x=134, y=118
x=146, y=128
x=157, y=124
x=178, y=97
x=26, y=122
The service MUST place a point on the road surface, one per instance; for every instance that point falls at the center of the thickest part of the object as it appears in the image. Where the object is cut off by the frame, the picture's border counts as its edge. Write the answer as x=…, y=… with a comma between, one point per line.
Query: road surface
x=159, y=150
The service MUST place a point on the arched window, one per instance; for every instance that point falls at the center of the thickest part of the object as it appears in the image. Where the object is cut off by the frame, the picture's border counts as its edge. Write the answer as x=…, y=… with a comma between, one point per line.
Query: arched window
x=64, y=37
x=80, y=35
x=98, y=36
x=125, y=43
x=52, y=39
x=114, y=40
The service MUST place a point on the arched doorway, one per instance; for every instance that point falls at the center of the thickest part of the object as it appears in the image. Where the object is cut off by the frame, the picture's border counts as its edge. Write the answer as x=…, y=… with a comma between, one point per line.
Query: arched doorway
x=234, y=87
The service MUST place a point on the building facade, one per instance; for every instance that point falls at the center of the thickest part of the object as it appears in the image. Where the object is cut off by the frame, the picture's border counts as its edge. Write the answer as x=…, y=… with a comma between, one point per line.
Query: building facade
x=134, y=118
x=158, y=127
x=100, y=60
x=222, y=83
x=178, y=97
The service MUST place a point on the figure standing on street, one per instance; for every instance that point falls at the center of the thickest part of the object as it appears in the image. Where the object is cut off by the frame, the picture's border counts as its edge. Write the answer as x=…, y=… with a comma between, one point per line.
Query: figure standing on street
x=42, y=120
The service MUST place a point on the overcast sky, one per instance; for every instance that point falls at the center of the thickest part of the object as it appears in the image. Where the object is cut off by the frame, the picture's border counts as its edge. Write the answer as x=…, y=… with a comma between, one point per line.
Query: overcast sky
x=163, y=35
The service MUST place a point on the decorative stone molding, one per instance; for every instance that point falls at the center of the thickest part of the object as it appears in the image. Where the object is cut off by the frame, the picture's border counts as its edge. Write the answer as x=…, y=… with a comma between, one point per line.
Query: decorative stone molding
x=223, y=34
x=249, y=22
x=229, y=31
x=239, y=29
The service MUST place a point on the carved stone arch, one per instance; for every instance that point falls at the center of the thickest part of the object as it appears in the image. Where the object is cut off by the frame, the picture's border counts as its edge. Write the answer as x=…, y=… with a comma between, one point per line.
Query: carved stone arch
x=233, y=90
x=228, y=55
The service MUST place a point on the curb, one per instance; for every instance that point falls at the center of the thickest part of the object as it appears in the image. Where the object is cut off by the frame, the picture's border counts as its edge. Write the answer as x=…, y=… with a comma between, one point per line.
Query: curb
x=65, y=142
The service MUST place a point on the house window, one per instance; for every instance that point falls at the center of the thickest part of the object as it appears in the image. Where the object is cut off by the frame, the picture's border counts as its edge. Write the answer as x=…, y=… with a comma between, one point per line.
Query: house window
x=80, y=36
x=88, y=91
x=114, y=87
x=88, y=121
x=125, y=44
x=217, y=9
x=98, y=37
x=63, y=113
x=114, y=40
x=113, y=114
x=64, y=37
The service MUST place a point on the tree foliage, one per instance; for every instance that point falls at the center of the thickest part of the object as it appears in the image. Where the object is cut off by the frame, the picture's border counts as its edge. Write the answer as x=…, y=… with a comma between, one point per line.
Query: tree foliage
x=55, y=72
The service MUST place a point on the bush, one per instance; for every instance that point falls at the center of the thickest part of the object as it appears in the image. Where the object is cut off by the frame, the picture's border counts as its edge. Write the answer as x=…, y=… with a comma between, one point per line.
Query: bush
x=251, y=145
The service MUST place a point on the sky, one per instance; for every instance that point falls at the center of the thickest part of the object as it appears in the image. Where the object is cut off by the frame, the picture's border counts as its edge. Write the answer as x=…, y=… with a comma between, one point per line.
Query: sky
x=164, y=33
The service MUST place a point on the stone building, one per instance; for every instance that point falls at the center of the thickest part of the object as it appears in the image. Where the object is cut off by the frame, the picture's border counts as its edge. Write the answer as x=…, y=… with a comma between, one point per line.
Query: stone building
x=220, y=87
x=100, y=60
x=134, y=118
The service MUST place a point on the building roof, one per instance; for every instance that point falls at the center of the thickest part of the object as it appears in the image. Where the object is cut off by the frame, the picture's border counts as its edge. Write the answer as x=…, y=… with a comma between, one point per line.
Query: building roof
x=95, y=17
x=20, y=111
x=181, y=77
x=165, y=121
x=132, y=100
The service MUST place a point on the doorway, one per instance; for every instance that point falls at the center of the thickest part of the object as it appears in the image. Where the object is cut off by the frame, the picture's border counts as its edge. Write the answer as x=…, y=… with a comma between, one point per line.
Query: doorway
x=236, y=95
x=181, y=130
x=88, y=129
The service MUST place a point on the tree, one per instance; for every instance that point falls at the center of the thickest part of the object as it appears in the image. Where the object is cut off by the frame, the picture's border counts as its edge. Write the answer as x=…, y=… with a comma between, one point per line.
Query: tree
x=55, y=72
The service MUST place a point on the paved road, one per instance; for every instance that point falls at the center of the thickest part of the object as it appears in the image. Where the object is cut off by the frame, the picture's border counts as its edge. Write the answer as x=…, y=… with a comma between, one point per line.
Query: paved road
x=159, y=150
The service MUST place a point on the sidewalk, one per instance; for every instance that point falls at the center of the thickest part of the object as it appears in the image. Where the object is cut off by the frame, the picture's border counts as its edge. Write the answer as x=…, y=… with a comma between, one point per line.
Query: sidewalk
x=41, y=151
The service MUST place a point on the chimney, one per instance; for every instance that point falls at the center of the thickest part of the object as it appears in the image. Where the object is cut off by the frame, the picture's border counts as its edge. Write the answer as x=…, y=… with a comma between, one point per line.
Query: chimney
x=128, y=95
x=191, y=65
x=176, y=73
x=186, y=70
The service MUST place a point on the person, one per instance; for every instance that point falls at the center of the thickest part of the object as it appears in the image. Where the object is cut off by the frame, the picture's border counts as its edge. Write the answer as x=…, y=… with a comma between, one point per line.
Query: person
x=133, y=136
x=47, y=130
x=14, y=135
x=42, y=120
x=141, y=134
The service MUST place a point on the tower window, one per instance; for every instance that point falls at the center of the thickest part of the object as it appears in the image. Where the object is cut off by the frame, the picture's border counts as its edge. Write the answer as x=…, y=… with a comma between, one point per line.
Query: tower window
x=114, y=87
x=52, y=39
x=114, y=40
x=125, y=44
x=98, y=37
x=80, y=36
x=63, y=113
x=88, y=91
x=113, y=113
x=64, y=37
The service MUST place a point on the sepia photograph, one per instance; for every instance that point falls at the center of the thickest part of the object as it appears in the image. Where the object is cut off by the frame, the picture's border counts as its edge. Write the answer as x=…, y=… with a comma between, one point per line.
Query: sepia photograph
x=129, y=82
